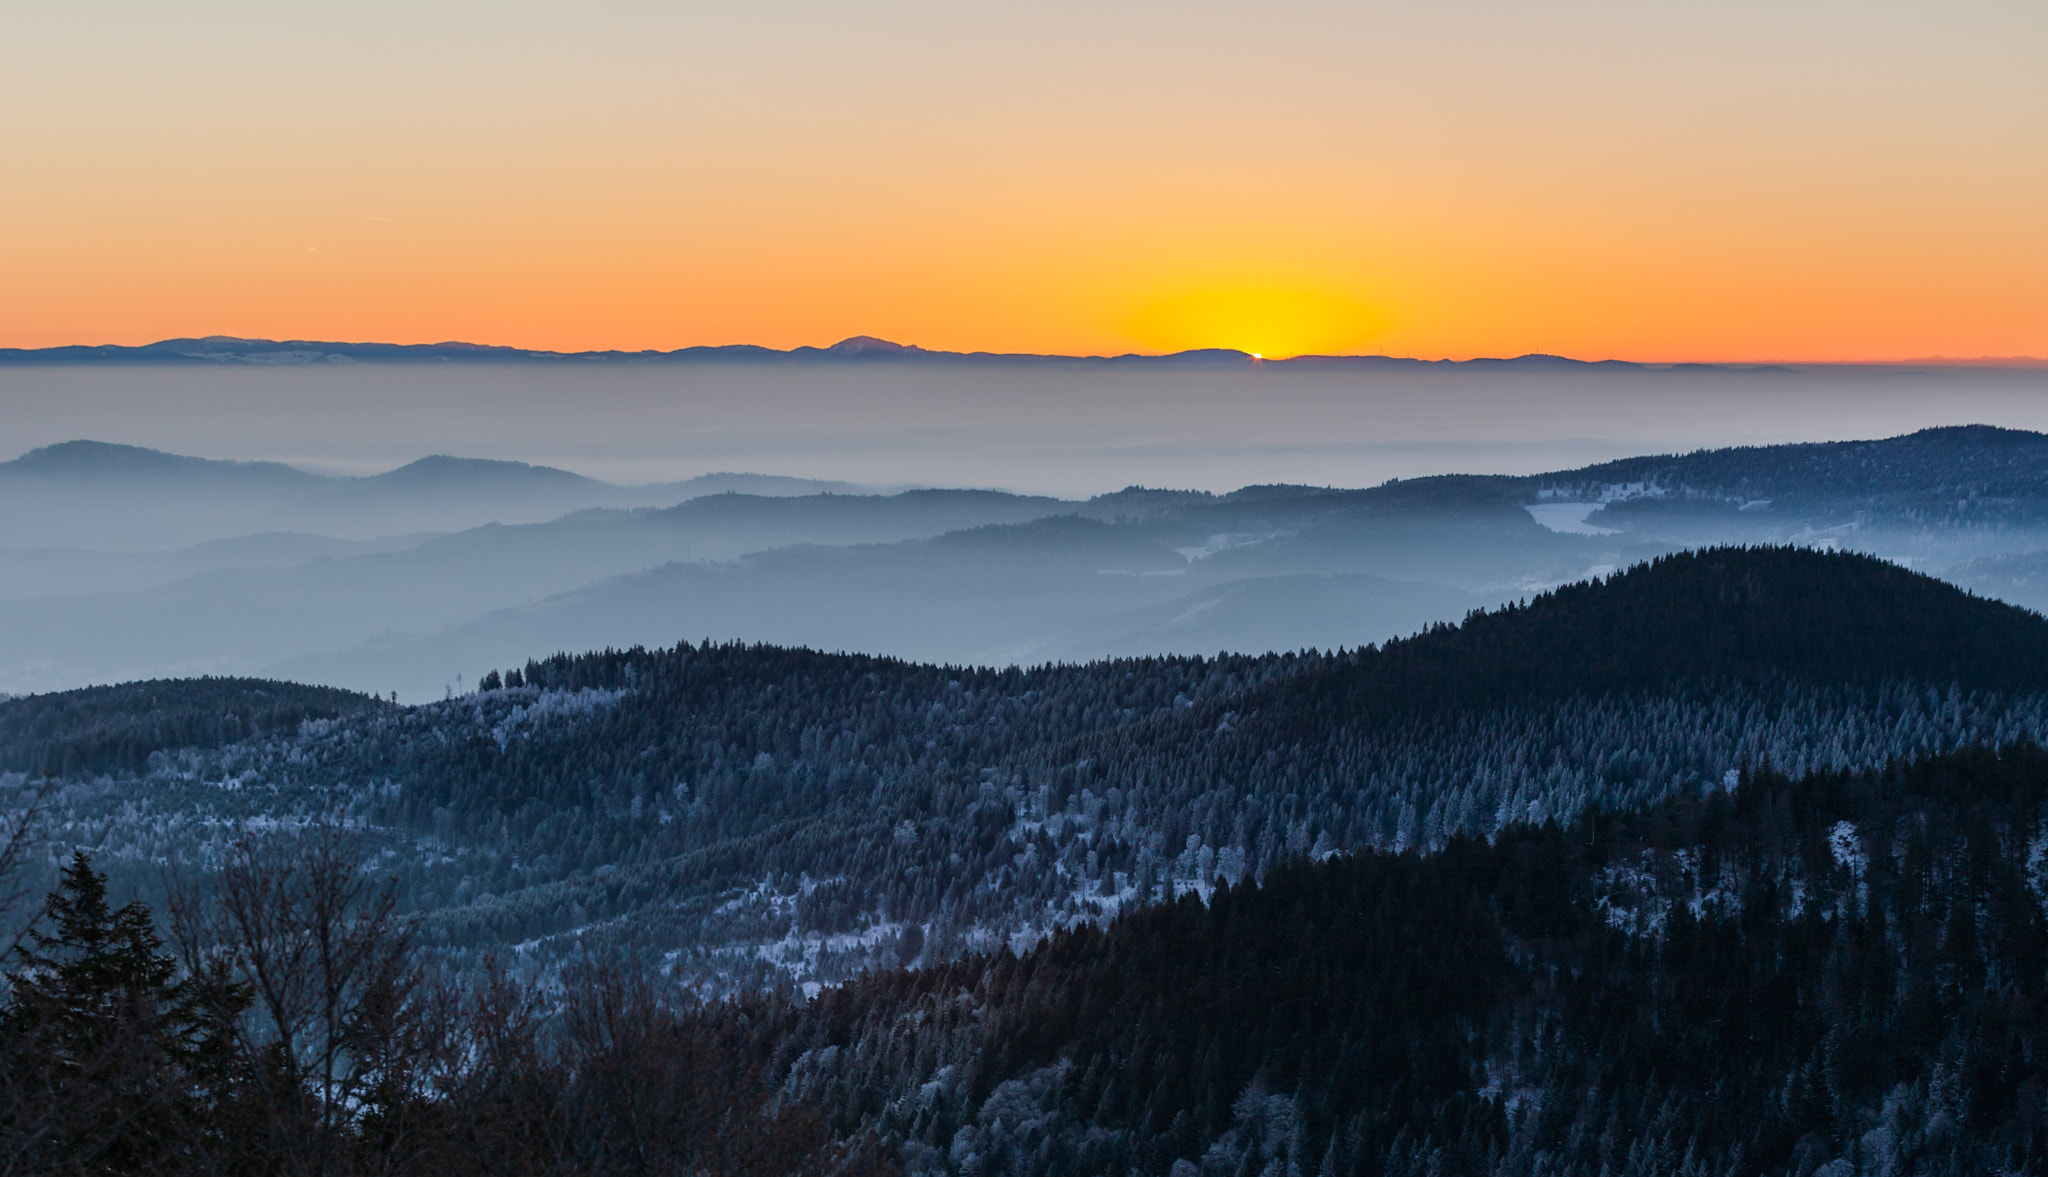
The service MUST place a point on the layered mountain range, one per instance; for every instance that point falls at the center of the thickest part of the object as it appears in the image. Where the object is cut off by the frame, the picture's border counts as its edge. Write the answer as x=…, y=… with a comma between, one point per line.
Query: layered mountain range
x=224, y=349
x=92, y=497
x=357, y=582
x=1729, y=861
x=754, y=815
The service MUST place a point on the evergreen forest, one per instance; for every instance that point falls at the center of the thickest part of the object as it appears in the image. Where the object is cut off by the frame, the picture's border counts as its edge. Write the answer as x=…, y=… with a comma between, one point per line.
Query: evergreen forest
x=1733, y=862
x=1833, y=974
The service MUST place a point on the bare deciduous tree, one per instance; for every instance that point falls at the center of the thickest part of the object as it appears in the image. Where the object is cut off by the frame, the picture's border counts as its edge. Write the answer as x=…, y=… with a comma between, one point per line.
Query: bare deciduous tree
x=18, y=830
x=313, y=980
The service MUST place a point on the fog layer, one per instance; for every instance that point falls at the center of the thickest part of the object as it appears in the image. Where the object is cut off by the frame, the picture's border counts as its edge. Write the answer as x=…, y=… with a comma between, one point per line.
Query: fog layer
x=1069, y=431
x=120, y=563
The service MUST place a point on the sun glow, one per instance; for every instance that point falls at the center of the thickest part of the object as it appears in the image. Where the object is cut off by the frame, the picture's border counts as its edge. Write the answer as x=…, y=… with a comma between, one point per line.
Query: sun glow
x=1647, y=182
x=1260, y=322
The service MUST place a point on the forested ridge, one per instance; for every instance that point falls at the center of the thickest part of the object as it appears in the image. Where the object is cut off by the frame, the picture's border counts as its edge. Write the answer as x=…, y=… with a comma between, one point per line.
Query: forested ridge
x=1846, y=968
x=1718, y=615
x=96, y=730
x=1708, y=867
x=753, y=816
x=1830, y=975
x=1958, y=476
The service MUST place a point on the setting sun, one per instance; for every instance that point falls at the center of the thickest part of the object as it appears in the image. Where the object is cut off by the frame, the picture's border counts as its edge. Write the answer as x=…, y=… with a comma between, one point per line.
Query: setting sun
x=1260, y=322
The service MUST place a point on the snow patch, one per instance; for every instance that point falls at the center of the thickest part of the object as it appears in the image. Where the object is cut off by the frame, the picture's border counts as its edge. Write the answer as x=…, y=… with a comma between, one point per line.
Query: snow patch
x=1568, y=517
x=2037, y=868
x=1223, y=542
x=1848, y=848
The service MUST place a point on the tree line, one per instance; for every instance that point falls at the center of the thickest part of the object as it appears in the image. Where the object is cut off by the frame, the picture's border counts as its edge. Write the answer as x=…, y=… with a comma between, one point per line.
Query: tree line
x=754, y=815
x=1833, y=974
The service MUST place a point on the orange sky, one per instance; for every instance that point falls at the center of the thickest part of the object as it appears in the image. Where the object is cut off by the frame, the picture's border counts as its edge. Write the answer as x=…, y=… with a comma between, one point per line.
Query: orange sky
x=1740, y=180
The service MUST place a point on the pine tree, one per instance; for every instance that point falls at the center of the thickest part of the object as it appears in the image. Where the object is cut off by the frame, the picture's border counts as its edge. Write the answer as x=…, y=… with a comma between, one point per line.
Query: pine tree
x=100, y=1037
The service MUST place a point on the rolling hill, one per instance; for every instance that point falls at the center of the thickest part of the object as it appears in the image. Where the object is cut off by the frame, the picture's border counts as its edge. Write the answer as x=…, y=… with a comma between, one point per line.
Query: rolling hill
x=1706, y=866
x=756, y=813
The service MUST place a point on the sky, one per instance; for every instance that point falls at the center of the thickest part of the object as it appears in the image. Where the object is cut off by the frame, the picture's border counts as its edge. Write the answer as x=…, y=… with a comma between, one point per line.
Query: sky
x=1654, y=180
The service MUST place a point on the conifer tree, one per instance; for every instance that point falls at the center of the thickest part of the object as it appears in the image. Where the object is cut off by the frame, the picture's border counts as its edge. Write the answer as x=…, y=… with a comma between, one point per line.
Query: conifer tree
x=99, y=1038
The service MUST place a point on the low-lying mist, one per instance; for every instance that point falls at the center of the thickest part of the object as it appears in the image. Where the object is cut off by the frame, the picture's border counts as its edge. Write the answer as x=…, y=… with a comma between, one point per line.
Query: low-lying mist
x=1071, y=431
x=609, y=513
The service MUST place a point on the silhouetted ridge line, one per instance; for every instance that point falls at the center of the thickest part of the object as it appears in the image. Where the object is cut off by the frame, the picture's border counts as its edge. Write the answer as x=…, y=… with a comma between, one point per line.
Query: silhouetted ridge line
x=1719, y=614
x=218, y=349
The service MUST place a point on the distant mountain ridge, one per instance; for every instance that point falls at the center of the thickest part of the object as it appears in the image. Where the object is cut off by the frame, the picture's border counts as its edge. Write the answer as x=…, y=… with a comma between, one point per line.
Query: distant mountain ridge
x=314, y=591
x=73, y=461
x=224, y=349
x=1976, y=461
x=111, y=497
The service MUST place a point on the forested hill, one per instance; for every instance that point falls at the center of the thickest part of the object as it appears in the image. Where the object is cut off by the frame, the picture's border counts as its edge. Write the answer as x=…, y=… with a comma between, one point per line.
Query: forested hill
x=1841, y=974
x=1733, y=614
x=754, y=815
x=1745, y=614
x=114, y=729
x=1930, y=474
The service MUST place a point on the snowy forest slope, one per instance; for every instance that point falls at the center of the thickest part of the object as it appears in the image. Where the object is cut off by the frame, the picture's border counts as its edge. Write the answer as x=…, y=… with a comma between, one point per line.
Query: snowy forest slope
x=755, y=815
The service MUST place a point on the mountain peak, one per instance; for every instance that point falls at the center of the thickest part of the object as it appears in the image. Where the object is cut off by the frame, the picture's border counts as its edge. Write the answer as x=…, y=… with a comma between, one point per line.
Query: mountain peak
x=1711, y=615
x=102, y=459
x=101, y=455
x=859, y=344
x=446, y=470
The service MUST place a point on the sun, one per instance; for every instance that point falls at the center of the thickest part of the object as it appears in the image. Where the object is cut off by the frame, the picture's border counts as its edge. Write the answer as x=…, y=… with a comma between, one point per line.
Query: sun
x=1258, y=322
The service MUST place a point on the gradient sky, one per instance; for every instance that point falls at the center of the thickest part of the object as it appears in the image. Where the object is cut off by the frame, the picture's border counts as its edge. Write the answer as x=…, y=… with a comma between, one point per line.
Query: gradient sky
x=1737, y=180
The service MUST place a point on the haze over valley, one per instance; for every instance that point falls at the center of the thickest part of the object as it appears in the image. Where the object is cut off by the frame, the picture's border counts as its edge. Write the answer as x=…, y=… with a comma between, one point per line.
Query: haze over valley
x=125, y=562
x=1053, y=426
x=921, y=589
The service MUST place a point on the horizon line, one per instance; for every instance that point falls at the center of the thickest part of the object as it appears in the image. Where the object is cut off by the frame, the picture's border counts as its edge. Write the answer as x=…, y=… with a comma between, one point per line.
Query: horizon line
x=229, y=349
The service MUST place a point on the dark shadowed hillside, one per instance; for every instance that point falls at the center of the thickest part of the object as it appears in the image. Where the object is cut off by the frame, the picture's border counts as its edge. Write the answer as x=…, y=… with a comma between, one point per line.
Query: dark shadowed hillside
x=1701, y=868
x=755, y=812
x=1835, y=974
x=1842, y=969
x=1740, y=615
x=1964, y=474
x=98, y=730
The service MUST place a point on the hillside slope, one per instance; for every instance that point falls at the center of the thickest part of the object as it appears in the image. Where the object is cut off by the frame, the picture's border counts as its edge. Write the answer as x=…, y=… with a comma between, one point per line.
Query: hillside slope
x=755, y=813
x=241, y=618
x=1841, y=973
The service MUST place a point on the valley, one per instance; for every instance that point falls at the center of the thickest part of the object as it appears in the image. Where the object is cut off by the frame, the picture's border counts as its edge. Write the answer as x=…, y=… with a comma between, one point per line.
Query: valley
x=969, y=577
x=1648, y=816
x=1730, y=858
